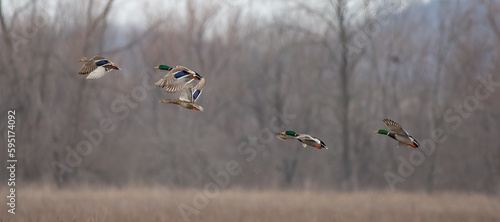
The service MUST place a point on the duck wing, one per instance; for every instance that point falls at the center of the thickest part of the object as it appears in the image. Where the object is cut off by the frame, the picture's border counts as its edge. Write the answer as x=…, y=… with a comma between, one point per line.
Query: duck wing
x=176, y=79
x=283, y=136
x=98, y=72
x=395, y=127
x=198, y=89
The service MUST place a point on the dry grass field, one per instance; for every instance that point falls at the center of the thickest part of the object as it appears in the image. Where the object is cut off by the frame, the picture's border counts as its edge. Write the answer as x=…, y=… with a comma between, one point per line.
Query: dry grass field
x=160, y=204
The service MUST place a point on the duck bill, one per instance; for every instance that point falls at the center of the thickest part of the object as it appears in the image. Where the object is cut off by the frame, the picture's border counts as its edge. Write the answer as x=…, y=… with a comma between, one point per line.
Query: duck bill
x=158, y=67
x=413, y=145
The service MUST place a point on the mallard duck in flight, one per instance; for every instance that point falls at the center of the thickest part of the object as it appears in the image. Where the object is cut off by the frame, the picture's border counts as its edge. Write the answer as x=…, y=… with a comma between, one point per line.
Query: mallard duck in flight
x=399, y=134
x=181, y=79
x=96, y=67
x=177, y=78
x=187, y=98
x=305, y=139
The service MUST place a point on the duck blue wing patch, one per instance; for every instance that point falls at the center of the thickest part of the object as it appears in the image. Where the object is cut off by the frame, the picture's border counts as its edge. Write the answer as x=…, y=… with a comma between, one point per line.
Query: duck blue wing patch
x=180, y=74
x=196, y=94
x=101, y=62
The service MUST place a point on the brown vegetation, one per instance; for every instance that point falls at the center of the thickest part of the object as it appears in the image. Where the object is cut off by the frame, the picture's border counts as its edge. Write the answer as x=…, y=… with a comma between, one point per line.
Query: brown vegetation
x=161, y=204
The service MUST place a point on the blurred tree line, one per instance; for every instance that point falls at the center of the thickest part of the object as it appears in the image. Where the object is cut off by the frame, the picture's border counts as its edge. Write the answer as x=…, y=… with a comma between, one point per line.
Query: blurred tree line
x=337, y=67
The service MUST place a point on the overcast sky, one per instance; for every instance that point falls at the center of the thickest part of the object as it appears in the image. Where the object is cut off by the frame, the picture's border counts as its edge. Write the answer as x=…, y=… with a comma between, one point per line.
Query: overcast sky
x=127, y=12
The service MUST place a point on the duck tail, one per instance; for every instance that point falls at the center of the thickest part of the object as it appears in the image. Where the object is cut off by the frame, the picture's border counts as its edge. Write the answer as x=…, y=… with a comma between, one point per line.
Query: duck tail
x=414, y=142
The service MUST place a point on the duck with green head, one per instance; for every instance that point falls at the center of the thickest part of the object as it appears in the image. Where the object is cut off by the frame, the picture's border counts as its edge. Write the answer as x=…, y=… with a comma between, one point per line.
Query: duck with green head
x=176, y=78
x=180, y=79
x=305, y=139
x=398, y=133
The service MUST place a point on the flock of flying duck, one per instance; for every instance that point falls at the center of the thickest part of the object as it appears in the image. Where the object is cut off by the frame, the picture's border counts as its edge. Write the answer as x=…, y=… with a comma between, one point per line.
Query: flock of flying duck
x=180, y=79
